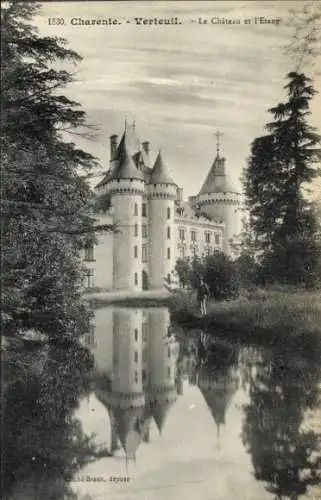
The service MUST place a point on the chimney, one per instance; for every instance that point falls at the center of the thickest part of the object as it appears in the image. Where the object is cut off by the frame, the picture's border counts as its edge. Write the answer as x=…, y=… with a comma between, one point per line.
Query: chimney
x=146, y=147
x=113, y=146
x=179, y=194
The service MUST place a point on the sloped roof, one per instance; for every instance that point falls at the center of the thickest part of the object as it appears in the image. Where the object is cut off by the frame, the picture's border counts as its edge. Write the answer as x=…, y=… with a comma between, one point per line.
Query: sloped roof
x=160, y=173
x=128, y=428
x=160, y=411
x=126, y=169
x=217, y=180
x=218, y=398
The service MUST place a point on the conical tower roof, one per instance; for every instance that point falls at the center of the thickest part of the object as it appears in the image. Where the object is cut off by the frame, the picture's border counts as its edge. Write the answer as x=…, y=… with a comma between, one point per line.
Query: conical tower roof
x=128, y=428
x=160, y=173
x=160, y=412
x=129, y=142
x=126, y=169
x=217, y=180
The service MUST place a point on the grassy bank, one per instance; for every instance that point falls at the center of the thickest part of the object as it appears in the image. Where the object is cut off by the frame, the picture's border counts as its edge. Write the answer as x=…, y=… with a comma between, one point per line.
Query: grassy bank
x=276, y=317
x=150, y=298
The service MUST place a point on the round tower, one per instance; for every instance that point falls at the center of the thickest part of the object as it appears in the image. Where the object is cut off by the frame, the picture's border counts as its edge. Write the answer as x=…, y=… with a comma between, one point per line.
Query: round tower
x=161, y=194
x=219, y=199
x=126, y=400
x=126, y=188
x=162, y=392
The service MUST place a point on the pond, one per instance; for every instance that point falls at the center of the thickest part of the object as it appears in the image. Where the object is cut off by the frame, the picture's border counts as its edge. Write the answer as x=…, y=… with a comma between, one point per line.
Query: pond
x=191, y=416
x=176, y=414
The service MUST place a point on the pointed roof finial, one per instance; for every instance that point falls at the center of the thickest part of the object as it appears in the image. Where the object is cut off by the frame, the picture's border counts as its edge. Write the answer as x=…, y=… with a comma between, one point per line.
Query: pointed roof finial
x=218, y=134
x=134, y=125
x=125, y=122
x=218, y=436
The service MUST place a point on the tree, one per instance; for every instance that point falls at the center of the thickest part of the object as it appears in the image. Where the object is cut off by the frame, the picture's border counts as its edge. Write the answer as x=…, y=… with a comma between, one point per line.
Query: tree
x=46, y=222
x=285, y=455
x=282, y=164
x=182, y=269
x=44, y=192
x=43, y=444
x=220, y=274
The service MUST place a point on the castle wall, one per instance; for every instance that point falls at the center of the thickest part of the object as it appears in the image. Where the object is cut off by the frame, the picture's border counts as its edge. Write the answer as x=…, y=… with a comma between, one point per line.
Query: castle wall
x=126, y=199
x=197, y=237
x=162, y=359
x=127, y=384
x=226, y=206
x=101, y=267
x=162, y=234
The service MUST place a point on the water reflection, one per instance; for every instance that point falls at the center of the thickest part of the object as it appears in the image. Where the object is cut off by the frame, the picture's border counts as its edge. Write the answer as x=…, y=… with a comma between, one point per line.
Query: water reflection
x=43, y=444
x=217, y=417
x=144, y=377
x=285, y=455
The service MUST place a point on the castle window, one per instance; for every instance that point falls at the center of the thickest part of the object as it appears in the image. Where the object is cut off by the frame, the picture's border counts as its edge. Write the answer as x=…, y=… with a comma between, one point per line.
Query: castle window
x=90, y=337
x=144, y=210
x=89, y=252
x=144, y=375
x=144, y=331
x=145, y=354
x=168, y=253
x=135, y=209
x=169, y=278
x=193, y=235
x=168, y=372
x=144, y=231
x=136, y=279
x=89, y=280
x=136, y=334
x=181, y=252
x=168, y=212
x=168, y=233
x=182, y=234
x=207, y=237
x=135, y=251
x=136, y=377
x=217, y=239
x=144, y=253
x=136, y=229
x=136, y=357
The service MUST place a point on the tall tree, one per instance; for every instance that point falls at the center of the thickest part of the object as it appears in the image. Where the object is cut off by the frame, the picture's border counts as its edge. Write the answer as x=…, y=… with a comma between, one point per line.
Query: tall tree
x=44, y=192
x=282, y=164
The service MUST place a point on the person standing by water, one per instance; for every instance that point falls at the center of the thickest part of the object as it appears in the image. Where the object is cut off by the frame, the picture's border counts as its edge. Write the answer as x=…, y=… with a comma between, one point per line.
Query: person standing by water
x=202, y=296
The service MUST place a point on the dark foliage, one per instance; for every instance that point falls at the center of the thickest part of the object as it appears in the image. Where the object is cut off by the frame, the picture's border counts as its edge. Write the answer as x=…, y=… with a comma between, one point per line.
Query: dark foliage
x=282, y=165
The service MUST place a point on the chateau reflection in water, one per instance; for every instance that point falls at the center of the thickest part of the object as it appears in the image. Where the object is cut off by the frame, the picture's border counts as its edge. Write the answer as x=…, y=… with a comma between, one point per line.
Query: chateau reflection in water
x=144, y=376
x=146, y=373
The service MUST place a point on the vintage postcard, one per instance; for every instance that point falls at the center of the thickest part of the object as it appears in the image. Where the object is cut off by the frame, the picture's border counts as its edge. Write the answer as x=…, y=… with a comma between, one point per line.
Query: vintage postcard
x=168, y=151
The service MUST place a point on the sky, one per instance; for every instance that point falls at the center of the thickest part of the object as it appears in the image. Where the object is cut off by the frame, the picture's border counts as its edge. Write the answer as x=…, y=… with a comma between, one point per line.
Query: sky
x=179, y=83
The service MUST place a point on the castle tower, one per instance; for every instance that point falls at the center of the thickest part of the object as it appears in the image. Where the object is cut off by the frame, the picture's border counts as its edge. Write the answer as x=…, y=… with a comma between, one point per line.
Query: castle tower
x=162, y=392
x=125, y=400
x=125, y=185
x=218, y=389
x=218, y=198
x=162, y=194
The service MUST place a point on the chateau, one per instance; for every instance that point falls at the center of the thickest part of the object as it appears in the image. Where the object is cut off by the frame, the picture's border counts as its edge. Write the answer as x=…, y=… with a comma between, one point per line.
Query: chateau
x=155, y=226
x=140, y=375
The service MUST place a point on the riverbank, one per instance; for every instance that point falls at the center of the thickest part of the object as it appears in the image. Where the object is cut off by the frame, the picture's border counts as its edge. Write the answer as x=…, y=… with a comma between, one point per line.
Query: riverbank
x=148, y=298
x=282, y=318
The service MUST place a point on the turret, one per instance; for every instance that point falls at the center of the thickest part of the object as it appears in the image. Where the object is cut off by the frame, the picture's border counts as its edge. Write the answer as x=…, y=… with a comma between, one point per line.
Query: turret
x=126, y=400
x=162, y=192
x=162, y=392
x=218, y=389
x=219, y=198
x=126, y=188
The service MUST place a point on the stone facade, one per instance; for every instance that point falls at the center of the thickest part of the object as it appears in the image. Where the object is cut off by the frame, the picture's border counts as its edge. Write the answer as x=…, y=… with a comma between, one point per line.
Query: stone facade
x=154, y=225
